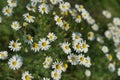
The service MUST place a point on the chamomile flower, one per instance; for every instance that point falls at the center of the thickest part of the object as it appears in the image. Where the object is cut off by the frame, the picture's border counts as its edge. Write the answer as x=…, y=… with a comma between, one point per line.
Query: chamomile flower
x=27, y=76
x=31, y=6
x=46, y=65
x=85, y=14
x=48, y=60
x=35, y=47
x=7, y=11
x=76, y=36
x=77, y=46
x=109, y=56
x=43, y=8
x=118, y=55
x=51, y=36
x=14, y=45
x=87, y=62
x=12, y=3
x=108, y=34
x=72, y=58
x=64, y=6
x=78, y=18
x=46, y=78
x=107, y=14
x=116, y=21
x=44, y=44
x=87, y=73
x=73, y=12
x=15, y=25
x=66, y=47
x=28, y=39
x=28, y=17
x=3, y=55
x=58, y=66
x=105, y=49
x=65, y=66
x=91, y=36
x=95, y=27
x=56, y=75
x=90, y=20
x=85, y=47
x=15, y=62
x=100, y=39
x=111, y=67
x=65, y=26
x=54, y=2
x=58, y=20
x=81, y=59
x=80, y=8
x=118, y=72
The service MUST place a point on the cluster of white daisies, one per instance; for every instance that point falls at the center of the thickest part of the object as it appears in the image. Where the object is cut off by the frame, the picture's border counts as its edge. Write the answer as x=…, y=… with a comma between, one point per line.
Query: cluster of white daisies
x=75, y=51
x=112, y=34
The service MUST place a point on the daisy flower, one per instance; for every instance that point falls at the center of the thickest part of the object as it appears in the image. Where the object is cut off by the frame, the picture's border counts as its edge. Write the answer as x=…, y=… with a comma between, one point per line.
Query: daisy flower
x=51, y=36
x=7, y=11
x=35, y=47
x=107, y=14
x=90, y=20
x=56, y=75
x=85, y=14
x=116, y=21
x=118, y=72
x=65, y=66
x=87, y=62
x=85, y=47
x=77, y=46
x=81, y=59
x=48, y=59
x=105, y=49
x=109, y=56
x=27, y=76
x=72, y=58
x=43, y=8
x=3, y=55
x=91, y=36
x=65, y=26
x=28, y=39
x=46, y=78
x=12, y=3
x=15, y=62
x=95, y=27
x=73, y=12
x=108, y=34
x=111, y=67
x=118, y=55
x=15, y=25
x=58, y=20
x=46, y=65
x=28, y=17
x=80, y=8
x=64, y=6
x=66, y=47
x=44, y=44
x=78, y=18
x=58, y=66
x=31, y=6
x=14, y=45
x=54, y=2
x=76, y=36
x=87, y=73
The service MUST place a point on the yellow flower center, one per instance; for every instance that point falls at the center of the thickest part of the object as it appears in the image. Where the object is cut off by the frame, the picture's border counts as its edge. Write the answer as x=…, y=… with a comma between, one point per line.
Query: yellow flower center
x=76, y=37
x=67, y=47
x=12, y=1
x=73, y=59
x=29, y=37
x=48, y=60
x=2, y=55
x=27, y=77
x=66, y=25
x=81, y=7
x=58, y=66
x=56, y=74
x=90, y=35
x=15, y=25
x=110, y=57
x=63, y=6
x=78, y=46
x=84, y=46
x=15, y=63
x=58, y=20
x=35, y=45
x=8, y=11
x=51, y=37
x=29, y=17
x=65, y=66
x=44, y=44
x=44, y=9
x=15, y=45
x=81, y=58
x=86, y=61
x=79, y=17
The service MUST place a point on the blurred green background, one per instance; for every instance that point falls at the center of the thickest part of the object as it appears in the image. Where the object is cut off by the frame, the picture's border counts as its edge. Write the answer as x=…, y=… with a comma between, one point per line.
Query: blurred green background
x=45, y=24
